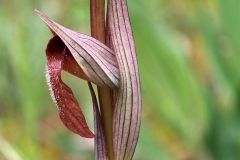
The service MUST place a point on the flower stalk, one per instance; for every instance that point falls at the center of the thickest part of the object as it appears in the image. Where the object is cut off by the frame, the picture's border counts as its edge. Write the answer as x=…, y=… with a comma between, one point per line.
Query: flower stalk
x=97, y=17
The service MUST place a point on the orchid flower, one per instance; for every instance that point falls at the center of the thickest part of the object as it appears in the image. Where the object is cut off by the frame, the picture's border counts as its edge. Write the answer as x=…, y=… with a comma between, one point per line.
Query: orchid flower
x=111, y=66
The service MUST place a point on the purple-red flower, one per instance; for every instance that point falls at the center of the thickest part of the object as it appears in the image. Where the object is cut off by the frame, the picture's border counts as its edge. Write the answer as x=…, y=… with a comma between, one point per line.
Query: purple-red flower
x=113, y=67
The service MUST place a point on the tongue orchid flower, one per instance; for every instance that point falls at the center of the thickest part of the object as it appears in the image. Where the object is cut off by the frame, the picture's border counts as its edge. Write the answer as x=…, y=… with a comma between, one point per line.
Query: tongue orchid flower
x=112, y=66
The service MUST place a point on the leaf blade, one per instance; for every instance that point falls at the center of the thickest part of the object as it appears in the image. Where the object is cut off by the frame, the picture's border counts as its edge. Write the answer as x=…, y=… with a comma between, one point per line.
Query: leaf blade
x=127, y=112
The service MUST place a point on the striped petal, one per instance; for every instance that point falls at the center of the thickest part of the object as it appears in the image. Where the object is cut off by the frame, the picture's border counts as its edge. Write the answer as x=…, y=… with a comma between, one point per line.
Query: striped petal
x=127, y=112
x=96, y=60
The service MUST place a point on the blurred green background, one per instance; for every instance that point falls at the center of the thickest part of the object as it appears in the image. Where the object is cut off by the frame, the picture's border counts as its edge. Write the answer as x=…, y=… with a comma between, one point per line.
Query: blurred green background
x=188, y=53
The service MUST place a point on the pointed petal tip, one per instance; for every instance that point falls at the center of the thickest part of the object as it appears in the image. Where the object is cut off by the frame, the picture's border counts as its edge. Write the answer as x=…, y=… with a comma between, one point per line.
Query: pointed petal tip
x=36, y=11
x=40, y=14
x=88, y=135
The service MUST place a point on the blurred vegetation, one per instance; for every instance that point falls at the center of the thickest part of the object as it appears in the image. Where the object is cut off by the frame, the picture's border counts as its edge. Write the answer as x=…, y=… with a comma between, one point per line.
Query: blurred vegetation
x=188, y=53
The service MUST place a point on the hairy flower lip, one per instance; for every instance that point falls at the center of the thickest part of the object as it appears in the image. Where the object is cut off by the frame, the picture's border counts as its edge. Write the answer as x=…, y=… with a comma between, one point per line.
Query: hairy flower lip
x=69, y=111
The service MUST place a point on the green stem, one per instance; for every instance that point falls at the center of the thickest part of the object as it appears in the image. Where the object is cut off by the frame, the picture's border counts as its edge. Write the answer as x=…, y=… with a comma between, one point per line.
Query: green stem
x=97, y=8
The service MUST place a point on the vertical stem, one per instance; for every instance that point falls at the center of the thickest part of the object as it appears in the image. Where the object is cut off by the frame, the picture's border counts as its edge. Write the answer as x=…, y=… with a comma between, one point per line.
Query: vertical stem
x=97, y=10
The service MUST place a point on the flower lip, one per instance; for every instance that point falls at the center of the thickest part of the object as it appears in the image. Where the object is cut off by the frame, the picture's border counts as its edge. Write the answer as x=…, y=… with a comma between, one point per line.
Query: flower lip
x=68, y=107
